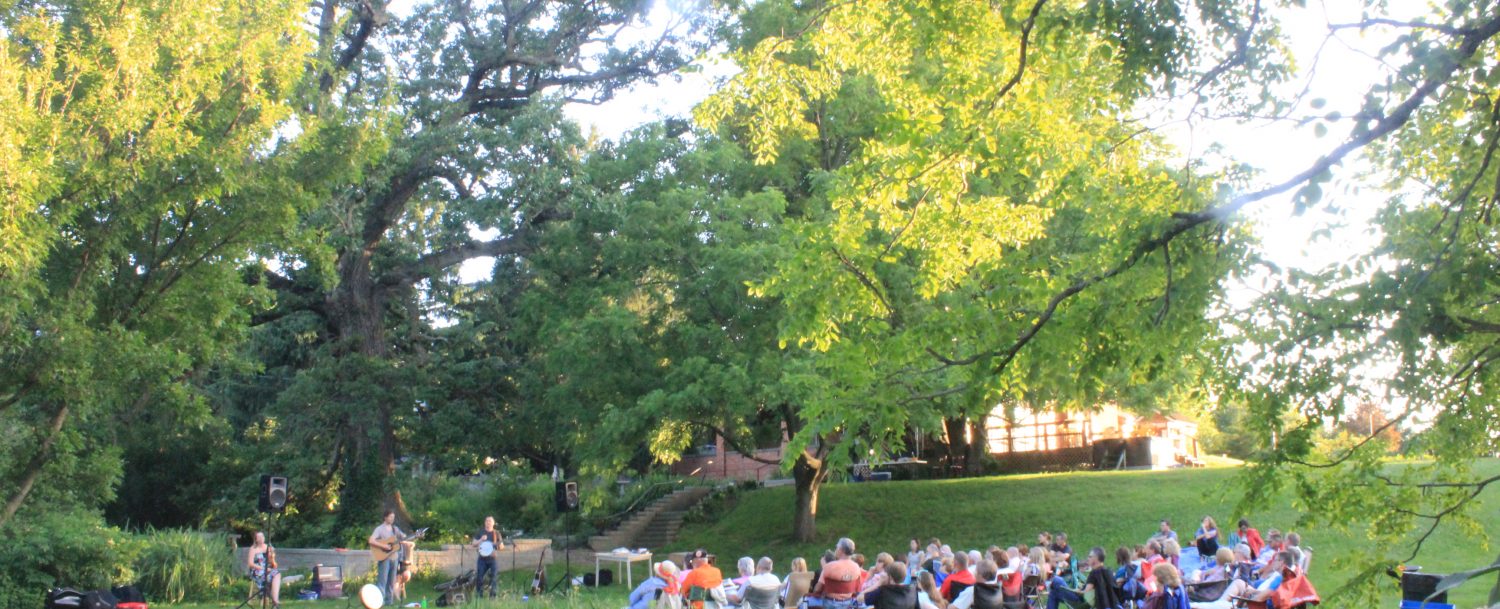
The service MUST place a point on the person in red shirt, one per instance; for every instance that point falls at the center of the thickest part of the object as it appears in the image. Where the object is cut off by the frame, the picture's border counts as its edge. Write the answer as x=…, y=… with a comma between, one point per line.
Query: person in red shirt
x=1250, y=536
x=960, y=579
x=704, y=575
x=840, y=581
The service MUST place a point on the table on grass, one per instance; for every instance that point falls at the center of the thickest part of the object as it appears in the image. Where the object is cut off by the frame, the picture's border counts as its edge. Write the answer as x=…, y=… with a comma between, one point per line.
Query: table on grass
x=624, y=559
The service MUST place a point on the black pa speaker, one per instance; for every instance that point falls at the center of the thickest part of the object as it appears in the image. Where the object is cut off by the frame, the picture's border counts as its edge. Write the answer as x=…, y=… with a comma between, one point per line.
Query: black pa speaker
x=272, y=493
x=566, y=496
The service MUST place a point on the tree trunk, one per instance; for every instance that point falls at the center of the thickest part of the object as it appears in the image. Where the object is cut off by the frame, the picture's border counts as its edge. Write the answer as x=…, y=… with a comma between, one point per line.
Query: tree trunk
x=978, y=446
x=954, y=429
x=809, y=479
x=34, y=467
x=357, y=309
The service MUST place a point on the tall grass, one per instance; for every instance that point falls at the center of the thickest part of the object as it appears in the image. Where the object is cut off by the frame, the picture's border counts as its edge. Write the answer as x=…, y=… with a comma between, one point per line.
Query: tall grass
x=179, y=565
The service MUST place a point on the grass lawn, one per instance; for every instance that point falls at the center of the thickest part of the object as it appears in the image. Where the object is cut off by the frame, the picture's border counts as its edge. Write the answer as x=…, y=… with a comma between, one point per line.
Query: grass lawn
x=1095, y=508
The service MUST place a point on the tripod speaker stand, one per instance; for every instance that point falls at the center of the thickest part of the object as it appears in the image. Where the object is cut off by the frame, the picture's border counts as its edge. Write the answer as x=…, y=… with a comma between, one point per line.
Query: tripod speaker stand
x=567, y=576
x=566, y=499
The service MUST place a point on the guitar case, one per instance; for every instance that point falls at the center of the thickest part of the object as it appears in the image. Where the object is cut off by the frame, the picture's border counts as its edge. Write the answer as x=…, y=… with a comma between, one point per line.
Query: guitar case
x=64, y=598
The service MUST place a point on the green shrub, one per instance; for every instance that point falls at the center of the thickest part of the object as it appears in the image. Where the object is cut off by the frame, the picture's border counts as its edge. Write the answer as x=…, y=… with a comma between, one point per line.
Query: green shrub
x=178, y=565
x=63, y=547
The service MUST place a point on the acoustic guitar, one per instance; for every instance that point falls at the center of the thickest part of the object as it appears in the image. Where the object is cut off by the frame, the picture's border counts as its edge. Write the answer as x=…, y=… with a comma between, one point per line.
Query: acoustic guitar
x=379, y=551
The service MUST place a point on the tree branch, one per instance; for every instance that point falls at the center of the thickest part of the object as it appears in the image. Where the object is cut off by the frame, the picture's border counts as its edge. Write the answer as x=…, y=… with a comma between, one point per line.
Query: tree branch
x=33, y=469
x=436, y=262
x=369, y=16
x=734, y=443
x=1184, y=222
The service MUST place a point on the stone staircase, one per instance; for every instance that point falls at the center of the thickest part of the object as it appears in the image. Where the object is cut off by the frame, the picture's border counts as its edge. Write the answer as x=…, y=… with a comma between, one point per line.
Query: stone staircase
x=654, y=526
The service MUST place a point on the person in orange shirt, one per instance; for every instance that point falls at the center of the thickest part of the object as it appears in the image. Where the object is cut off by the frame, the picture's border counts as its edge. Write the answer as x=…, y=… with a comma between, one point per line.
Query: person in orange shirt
x=705, y=576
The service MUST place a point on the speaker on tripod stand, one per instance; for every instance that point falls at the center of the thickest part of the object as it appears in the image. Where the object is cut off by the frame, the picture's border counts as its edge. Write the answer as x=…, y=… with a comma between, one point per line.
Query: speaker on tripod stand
x=565, y=498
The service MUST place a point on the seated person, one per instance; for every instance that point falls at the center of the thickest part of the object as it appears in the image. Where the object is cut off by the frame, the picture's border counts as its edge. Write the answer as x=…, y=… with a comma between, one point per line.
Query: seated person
x=644, y=595
x=761, y=590
x=1037, y=566
x=1100, y=582
x=1268, y=552
x=1248, y=535
x=1013, y=576
x=1125, y=572
x=876, y=576
x=839, y=582
x=959, y=579
x=704, y=583
x=1164, y=532
x=746, y=568
x=1170, y=593
x=1062, y=549
x=894, y=594
x=1216, y=569
x=986, y=593
x=1172, y=552
x=258, y=561
x=928, y=596
x=1260, y=592
x=1243, y=566
x=1294, y=545
x=798, y=583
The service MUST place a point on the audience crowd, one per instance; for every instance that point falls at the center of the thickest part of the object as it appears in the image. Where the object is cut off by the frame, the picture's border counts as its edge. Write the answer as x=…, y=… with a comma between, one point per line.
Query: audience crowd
x=1242, y=569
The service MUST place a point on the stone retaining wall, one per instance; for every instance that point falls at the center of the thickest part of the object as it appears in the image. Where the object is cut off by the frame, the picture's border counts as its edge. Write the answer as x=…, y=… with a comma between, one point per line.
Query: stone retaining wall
x=521, y=554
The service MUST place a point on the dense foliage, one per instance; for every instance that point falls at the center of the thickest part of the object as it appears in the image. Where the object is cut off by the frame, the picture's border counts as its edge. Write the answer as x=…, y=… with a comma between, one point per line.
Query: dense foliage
x=231, y=235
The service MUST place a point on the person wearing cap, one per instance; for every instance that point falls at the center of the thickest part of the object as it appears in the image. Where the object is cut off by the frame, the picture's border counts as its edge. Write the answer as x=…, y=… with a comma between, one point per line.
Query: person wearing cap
x=706, y=577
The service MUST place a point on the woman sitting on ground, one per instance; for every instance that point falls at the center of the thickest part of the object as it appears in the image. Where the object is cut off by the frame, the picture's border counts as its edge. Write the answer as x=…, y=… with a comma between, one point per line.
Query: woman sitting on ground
x=1207, y=538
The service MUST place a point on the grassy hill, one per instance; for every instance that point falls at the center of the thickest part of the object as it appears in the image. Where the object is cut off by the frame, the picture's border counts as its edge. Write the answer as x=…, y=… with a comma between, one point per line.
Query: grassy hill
x=1095, y=508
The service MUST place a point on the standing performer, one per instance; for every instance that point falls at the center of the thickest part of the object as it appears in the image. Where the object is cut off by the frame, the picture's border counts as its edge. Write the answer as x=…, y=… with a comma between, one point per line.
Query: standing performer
x=384, y=542
x=262, y=562
x=488, y=540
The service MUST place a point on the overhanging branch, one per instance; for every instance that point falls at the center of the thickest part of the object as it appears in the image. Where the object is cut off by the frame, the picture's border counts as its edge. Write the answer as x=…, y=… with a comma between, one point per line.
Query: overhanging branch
x=1184, y=222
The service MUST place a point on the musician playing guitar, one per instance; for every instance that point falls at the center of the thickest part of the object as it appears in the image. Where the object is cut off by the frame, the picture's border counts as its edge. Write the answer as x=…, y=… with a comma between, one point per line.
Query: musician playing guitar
x=488, y=540
x=384, y=542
